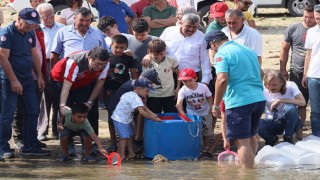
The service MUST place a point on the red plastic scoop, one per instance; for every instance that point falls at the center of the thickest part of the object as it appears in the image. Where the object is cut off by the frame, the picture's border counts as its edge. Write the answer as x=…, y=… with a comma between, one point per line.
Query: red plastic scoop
x=166, y=117
x=114, y=159
x=185, y=118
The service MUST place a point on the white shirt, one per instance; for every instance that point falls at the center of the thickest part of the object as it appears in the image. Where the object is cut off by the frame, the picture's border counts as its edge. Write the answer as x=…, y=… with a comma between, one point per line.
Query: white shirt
x=313, y=42
x=49, y=34
x=248, y=37
x=197, y=103
x=125, y=109
x=291, y=93
x=190, y=52
x=68, y=15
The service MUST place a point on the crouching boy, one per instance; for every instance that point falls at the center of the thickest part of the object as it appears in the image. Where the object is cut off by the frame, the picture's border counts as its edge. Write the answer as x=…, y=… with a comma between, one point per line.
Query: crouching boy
x=123, y=114
x=76, y=123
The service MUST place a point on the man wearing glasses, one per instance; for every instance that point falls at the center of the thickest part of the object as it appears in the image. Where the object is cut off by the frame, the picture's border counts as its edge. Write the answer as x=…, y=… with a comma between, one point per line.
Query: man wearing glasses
x=50, y=28
x=79, y=78
x=243, y=5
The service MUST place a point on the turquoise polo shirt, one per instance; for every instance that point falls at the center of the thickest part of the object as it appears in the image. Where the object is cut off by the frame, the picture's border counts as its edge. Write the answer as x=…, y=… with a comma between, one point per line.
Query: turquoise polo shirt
x=154, y=13
x=243, y=68
x=117, y=11
x=20, y=46
x=213, y=26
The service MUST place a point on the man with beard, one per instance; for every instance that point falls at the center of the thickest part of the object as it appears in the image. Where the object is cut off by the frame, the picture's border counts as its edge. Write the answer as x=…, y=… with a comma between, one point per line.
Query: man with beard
x=77, y=37
x=294, y=38
x=243, y=6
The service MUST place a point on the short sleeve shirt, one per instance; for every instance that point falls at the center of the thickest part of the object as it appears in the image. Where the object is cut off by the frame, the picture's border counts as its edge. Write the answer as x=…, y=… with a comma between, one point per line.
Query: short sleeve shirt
x=197, y=103
x=313, y=42
x=68, y=40
x=244, y=79
x=296, y=36
x=115, y=98
x=154, y=13
x=117, y=11
x=20, y=47
x=291, y=93
x=213, y=26
x=119, y=70
x=165, y=74
x=124, y=111
x=76, y=127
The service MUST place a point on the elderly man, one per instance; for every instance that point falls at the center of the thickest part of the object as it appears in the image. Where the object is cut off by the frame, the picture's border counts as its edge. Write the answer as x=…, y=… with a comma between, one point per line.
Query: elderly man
x=311, y=74
x=243, y=6
x=236, y=30
x=50, y=28
x=186, y=43
x=294, y=38
x=239, y=84
x=17, y=58
x=77, y=37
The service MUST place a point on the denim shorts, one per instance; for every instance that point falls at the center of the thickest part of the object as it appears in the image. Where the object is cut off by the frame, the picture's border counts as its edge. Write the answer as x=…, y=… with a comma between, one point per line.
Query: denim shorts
x=123, y=130
x=243, y=122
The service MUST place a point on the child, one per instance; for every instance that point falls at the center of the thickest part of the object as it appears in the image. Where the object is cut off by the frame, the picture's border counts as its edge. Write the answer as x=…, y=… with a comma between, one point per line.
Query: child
x=120, y=68
x=199, y=102
x=123, y=114
x=163, y=98
x=76, y=123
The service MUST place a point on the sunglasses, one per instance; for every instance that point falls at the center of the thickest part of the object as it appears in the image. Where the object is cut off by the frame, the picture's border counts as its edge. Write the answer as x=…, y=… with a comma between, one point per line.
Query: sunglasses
x=247, y=3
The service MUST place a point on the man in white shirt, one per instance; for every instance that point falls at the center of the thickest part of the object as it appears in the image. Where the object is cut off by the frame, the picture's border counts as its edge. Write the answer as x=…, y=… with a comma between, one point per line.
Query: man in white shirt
x=311, y=74
x=50, y=28
x=187, y=44
x=242, y=34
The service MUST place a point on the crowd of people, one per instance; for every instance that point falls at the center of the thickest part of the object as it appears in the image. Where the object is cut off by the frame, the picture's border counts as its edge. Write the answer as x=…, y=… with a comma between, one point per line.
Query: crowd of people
x=147, y=59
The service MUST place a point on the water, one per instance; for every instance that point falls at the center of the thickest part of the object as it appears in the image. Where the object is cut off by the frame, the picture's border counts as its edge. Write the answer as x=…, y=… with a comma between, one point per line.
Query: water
x=76, y=169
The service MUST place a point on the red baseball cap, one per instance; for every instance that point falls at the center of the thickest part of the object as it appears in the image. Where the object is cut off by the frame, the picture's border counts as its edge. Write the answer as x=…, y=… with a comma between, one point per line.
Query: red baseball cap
x=218, y=9
x=187, y=74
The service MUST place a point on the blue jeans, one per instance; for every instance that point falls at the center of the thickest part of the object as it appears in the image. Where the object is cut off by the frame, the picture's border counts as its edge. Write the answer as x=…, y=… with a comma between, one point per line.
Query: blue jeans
x=289, y=124
x=314, y=95
x=31, y=111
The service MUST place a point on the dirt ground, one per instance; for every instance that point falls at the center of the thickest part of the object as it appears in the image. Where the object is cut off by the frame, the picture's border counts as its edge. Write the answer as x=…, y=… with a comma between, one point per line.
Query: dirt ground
x=271, y=23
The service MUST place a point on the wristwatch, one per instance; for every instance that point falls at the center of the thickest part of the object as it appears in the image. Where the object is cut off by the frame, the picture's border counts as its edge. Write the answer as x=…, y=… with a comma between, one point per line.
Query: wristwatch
x=215, y=107
x=90, y=102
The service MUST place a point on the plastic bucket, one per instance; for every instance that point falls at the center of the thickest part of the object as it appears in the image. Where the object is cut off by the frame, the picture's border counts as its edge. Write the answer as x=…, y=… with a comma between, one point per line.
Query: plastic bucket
x=175, y=139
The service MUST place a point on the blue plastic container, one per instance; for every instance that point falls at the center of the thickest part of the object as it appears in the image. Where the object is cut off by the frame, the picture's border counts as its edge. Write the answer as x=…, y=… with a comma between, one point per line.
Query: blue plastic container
x=174, y=139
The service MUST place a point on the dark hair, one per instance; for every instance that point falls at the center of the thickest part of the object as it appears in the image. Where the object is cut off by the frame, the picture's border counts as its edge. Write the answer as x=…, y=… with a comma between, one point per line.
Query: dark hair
x=99, y=53
x=120, y=39
x=271, y=75
x=106, y=21
x=83, y=11
x=79, y=108
x=140, y=25
x=156, y=46
x=309, y=8
x=70, y=2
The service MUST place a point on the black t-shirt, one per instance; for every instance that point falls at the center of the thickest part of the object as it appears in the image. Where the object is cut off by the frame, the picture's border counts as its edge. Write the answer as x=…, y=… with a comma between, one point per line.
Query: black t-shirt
x=119, y=69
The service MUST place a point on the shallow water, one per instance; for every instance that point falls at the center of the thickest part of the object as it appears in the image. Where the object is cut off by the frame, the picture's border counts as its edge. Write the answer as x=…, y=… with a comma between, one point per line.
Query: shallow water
x=76, y=169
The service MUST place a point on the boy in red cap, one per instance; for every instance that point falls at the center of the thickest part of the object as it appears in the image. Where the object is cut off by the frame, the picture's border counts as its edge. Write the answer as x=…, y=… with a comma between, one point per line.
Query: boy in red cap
x=199, y=102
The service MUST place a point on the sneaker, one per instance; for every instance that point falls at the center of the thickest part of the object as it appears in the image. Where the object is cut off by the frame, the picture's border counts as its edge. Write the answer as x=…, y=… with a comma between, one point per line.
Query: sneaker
x=41, y=144
x=89, y=159
x=55, y=136
x=18, y=144
x=274, y=142
x=42, y=138
x=35, y=152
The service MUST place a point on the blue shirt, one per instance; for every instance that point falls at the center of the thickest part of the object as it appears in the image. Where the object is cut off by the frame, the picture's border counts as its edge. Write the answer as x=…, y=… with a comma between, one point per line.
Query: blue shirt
x=69, y=40
x=117, y=11
x=243, y=68
x=49, y=34
x=20, y=46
